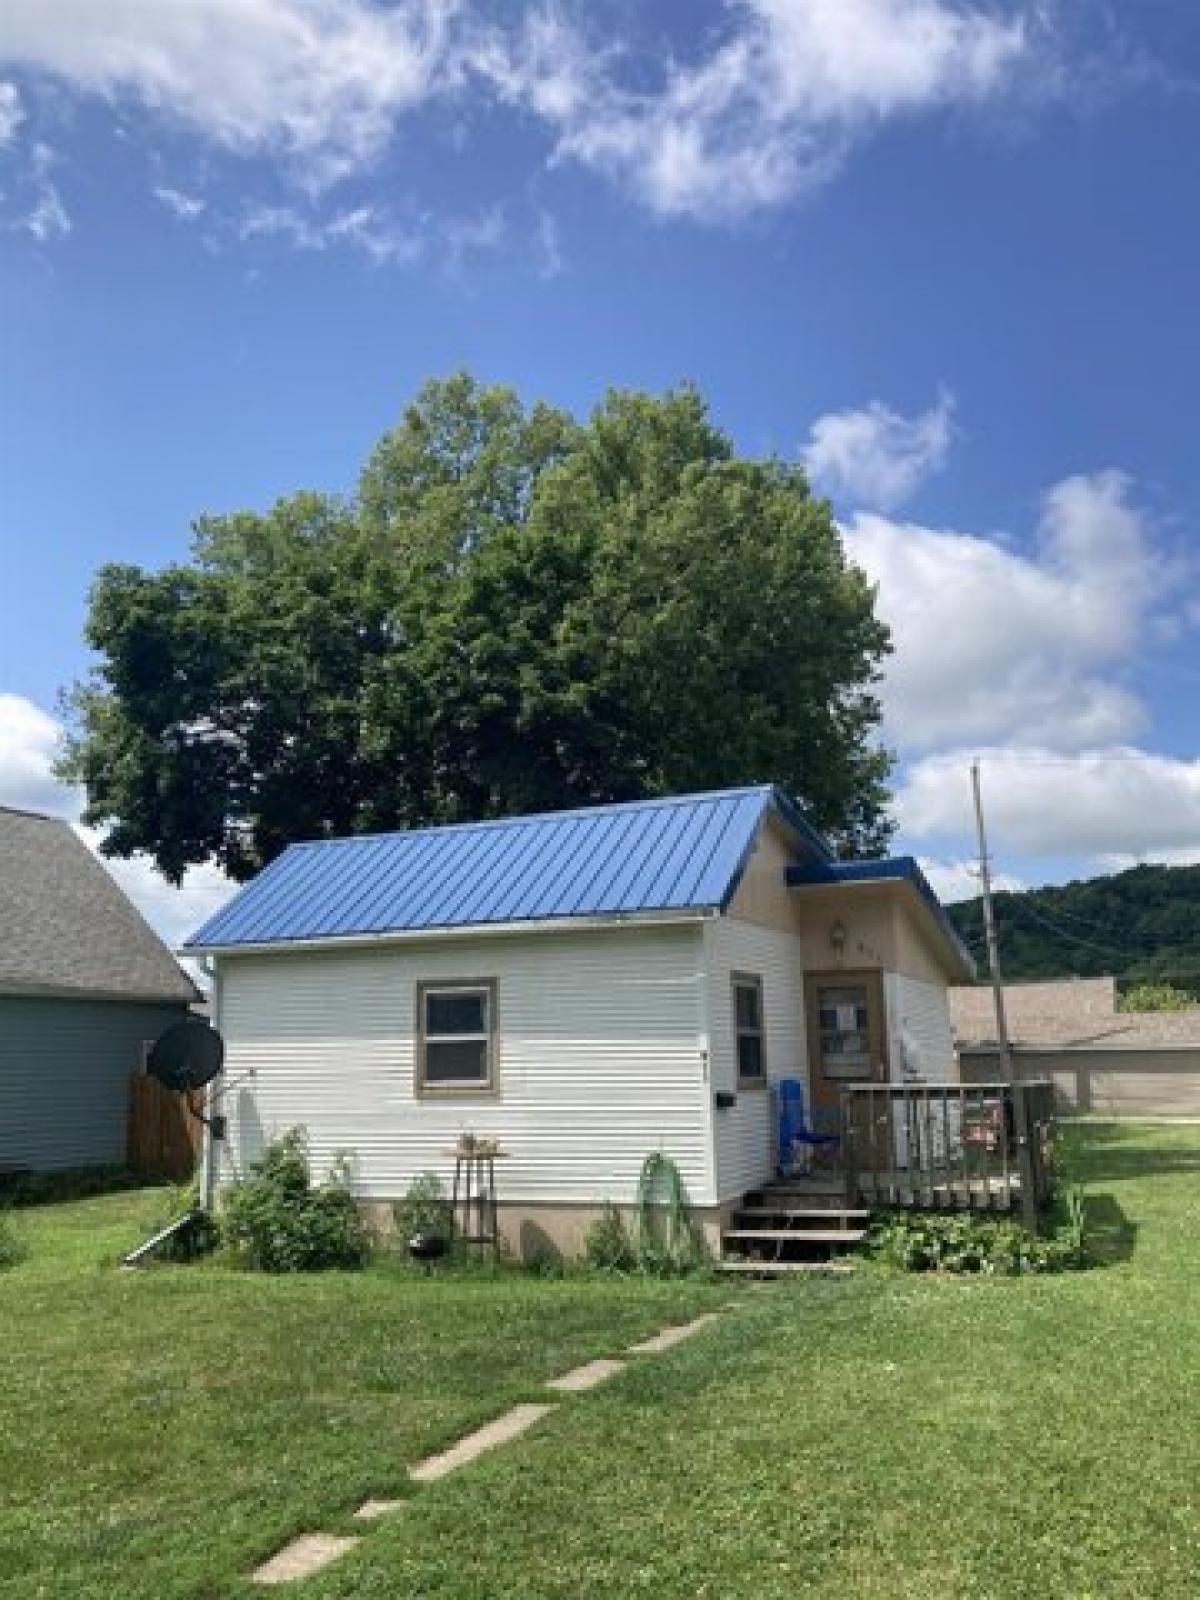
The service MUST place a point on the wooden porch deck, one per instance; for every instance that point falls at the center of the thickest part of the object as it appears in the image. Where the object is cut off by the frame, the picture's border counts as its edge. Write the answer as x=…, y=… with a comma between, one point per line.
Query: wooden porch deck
x=934, y=1147
x=986, y=1147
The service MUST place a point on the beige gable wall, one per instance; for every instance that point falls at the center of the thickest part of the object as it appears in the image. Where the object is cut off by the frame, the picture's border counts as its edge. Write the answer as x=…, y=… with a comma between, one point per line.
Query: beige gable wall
x=763, y=897
x=885, y=925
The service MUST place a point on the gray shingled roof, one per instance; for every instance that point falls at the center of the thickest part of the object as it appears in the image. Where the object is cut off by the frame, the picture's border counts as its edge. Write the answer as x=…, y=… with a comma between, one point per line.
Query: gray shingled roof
x=1066, y=1013
x=66, y=928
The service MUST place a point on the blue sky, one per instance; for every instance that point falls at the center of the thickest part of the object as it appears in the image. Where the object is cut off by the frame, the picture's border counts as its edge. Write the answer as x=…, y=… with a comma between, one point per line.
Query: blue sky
x=944, y=252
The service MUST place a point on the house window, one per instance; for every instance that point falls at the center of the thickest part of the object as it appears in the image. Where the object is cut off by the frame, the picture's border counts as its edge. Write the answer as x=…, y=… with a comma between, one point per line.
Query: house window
x=748, y=1029
x=456, y=1036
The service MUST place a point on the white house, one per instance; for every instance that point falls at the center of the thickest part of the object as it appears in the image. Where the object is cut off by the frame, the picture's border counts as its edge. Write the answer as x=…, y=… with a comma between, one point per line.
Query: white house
x=583, y=986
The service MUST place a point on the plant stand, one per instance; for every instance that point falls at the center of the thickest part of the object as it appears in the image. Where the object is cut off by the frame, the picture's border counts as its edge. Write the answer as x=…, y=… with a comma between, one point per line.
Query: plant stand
x=473, y=1194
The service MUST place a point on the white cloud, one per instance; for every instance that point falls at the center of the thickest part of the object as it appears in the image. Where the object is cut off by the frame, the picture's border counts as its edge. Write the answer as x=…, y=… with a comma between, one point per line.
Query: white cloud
x=362, y=227
x=47, y=217
x=1116, y=805
x=549, y=247
x=464, y=237
x=451, y=241
x=318, y=82
x=876, y=457
x=992, y=644
x=770, y=108
x=959, y=880
x=172, y=912
x=12, y=114
x=187, y=207
x=28, y=742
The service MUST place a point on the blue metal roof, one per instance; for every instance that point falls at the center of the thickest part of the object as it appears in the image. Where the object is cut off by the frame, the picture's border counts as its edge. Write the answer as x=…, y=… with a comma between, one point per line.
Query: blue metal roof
x=684, y=853
x=891, y=869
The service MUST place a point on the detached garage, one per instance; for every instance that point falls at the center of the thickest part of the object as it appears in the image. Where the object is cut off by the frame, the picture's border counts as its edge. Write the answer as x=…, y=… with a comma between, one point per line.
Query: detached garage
x=1103, y=1061
x=84, y=986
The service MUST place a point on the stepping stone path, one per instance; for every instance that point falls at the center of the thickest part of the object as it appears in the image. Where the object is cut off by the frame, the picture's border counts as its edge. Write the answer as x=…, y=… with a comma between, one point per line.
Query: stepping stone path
x=670, y=1337
x=370, y=1509
x=304, y=1556
x=586, y=1377
x=312, y=1551
x=509, y=1426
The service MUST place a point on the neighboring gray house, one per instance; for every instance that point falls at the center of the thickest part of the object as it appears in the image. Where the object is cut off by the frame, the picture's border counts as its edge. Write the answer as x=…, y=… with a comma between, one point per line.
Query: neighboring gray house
x=84, y=985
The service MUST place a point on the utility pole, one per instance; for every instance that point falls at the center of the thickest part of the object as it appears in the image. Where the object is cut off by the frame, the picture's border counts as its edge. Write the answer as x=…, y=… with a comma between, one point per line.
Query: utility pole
x=989, y=925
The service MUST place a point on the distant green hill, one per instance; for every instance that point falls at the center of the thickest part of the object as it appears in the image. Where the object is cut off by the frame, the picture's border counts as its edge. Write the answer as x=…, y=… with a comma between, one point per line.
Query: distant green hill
x=1144, y=923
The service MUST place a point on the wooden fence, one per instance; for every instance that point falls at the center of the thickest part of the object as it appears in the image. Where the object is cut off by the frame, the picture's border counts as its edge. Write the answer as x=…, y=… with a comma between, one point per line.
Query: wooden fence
x=949, y=1146
x=163, y=1138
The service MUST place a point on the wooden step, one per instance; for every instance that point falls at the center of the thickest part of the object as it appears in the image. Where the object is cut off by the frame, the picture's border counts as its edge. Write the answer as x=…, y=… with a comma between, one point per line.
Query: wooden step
x=800, y=1235
x=780, y=1269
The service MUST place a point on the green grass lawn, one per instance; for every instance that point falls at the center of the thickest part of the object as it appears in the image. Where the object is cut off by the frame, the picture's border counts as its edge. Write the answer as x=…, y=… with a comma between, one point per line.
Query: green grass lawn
x=160, y=1431
x=899, y=1437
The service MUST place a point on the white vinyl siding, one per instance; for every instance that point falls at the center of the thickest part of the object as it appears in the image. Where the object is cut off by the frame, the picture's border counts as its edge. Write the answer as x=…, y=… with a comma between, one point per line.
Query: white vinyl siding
x=919, y=1012
x=744, y=1134
x=598, y=1060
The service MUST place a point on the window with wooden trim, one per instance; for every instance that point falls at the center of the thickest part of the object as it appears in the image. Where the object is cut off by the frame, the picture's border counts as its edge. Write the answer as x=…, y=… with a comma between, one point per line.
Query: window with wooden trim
x=456, y=1036
x=748, y=1032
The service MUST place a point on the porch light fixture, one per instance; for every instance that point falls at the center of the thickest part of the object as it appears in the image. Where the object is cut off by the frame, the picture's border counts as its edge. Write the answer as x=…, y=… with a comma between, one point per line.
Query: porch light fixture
x=837, y=937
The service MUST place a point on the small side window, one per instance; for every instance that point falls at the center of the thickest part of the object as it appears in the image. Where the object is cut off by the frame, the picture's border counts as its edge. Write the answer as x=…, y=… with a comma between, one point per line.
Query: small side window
x=748, y=1029
x=456, y=1025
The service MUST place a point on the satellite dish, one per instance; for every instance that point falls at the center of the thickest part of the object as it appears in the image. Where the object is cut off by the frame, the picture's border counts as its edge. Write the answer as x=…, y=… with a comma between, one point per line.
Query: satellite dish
x=187, y=1056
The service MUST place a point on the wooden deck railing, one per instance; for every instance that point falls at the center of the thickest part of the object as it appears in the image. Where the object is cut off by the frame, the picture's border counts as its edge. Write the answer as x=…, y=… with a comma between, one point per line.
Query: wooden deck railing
x=949, y=1146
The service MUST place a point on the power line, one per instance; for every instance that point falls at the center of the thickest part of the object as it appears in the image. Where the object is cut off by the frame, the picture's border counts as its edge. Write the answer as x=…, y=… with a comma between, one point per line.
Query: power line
x=1065, y=933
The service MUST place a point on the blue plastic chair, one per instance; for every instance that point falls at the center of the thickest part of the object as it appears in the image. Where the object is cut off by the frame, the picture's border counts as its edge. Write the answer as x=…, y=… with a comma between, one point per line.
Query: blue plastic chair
x=794, y=1128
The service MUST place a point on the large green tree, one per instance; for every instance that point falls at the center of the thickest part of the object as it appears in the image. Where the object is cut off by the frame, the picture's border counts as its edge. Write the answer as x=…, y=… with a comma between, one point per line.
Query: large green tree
x=516, y=611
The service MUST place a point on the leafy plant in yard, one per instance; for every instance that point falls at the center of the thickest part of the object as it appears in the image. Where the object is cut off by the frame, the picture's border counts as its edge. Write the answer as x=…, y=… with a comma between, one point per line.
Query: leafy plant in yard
x=424, y=1210
x=607, y=1246
x=1074, y=1230
x=922, y=1242
x=276, y=1220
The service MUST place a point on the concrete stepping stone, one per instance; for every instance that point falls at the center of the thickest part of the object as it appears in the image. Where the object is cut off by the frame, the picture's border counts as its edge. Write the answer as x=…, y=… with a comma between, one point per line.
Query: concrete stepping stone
x=370, y=1509
x=510, y=1426
x=587, y=1376
x=670, y=1337
x=303, y=1556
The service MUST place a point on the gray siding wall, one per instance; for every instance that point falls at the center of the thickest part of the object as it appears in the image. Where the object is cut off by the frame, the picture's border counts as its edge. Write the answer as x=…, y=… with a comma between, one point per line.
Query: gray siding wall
x=64, y=1078
x=1161, y=1082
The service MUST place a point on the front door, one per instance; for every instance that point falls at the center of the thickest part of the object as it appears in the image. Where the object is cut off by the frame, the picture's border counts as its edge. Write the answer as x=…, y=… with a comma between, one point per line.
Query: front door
x=847, y=1040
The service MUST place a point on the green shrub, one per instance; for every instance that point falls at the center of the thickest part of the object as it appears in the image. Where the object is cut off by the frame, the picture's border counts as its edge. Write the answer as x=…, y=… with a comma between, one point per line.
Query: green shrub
x=917, y=1241
x=607, y=1246
x=275, y=1220
x=1151, y=996
x=424, y=1209
x=13, y=1247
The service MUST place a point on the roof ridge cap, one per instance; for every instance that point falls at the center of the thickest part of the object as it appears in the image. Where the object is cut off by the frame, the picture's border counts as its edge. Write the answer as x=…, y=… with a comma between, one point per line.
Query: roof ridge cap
x=766, y=790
